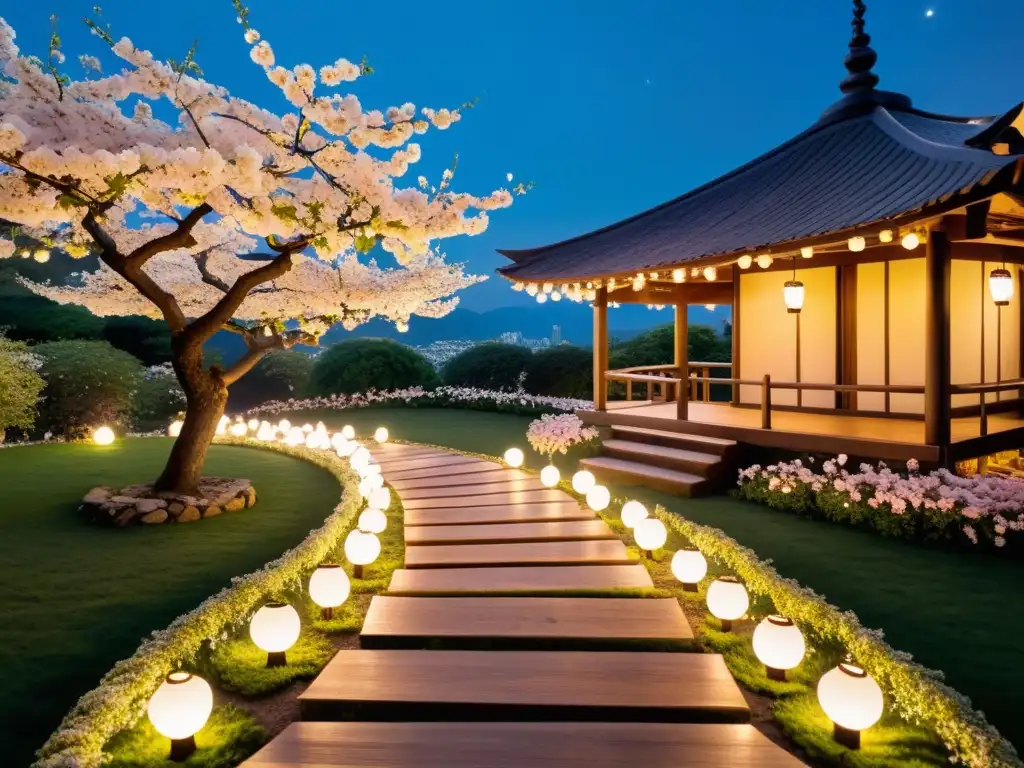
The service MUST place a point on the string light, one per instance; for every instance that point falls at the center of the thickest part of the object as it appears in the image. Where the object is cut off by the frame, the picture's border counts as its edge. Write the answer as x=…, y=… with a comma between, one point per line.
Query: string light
x=857, y=244
x=885, y=236
x=764, y=261
x=541, y=298
x=679, y=275
x=807, y=252
x=744, y=261
x=710, y=274
x=548, y=287
x=910, y=241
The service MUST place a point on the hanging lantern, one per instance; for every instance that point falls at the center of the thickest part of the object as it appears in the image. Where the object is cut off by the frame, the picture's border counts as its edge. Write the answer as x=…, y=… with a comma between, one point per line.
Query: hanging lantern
x=654, y=275
x=793, y=295
x=541, y=298
x=556, y=296
x=852, y=700
x=710, y=307
x=885, y=236
x=179, y=709
x=548, y=287
x=329, y=588
x=727, y=600
x=710, y=274
x=806, y=252
x=910, y=241
x=638, y=283
x=779, y=645
x=744, y=261
x=274, y=628
x=764, y=261
x=632, y=513
x=857, y=244
x=678, y=275
x=689, y=566
x=531, y=289
x=1000, y=284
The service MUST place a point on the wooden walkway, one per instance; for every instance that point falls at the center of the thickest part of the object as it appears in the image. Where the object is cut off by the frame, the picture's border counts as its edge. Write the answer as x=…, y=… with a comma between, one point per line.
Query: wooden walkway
x=519, y=669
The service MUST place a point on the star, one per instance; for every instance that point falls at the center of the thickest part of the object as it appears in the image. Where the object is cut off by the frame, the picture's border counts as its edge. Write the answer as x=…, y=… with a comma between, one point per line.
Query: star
x=929, y=13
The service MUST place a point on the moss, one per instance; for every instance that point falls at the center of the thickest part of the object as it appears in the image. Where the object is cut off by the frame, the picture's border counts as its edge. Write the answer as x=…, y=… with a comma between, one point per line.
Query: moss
x=229, y=737
x=242, y=667
x=346, y=620
x=891, y=742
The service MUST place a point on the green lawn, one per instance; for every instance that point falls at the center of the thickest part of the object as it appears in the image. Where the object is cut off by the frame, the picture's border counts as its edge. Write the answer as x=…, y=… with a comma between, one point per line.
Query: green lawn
x=960, y=612
x=78, y=598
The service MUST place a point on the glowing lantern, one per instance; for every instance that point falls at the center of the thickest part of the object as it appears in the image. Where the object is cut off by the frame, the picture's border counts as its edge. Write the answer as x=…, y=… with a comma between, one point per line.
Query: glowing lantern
x=793, y=295
x=548, y=287
x=253, y=425
x=175, y=428
x=222, y=425
x=347, y=448
x=550, y=476
x=373, y=520
x=307, y=428
x=179, y=709
x=531, y=289
x=360, y=458
x=381, y=435
x=366, y=487
x=744, y=261
x=103, y=436
x=632, y=513
x=650, y=534
x=266, y=433
x=678, y=275
x=710, y=274
x=294, y=437
x=910, y=241
x=764, y=261
x=514, y=457
x=312, y=440
x=329, y=588
x=598, y=498
x=541, y=298
x=274, y=628
x=727, y=600
x=284, y=425
x=779, y=645
x=885, y=236
x=1000, y=284
x=239, y=429
x=361, y=549
x=857, y=244
x=806, y=252
x=337, y=440
x=42, y=256
x=381, y=497
x=852, y=700
x=348, y=432
x=556, y=296
x=689, y=566
x=583, y=481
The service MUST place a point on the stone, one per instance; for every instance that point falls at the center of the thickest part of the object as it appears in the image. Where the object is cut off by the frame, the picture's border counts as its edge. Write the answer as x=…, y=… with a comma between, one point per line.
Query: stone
x=212, y=511
x=98, y=495
x=236, y=504
x=188, y=514
x=250, y=497
x=125, y=516
x=175, y=508
x=156, y=516
x=145, y=506
x=122, y=499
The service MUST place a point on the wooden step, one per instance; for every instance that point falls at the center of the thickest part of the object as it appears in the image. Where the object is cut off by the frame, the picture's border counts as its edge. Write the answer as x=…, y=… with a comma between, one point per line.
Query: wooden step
x=451, y=471
x=567, y=509
x=691, y=462
x=525, y=685
x=698, y=443
x=518, y=745
x=558, y=530
x=465, y=622
x=400, y=449
x=572, y=578
x=478, y=489
x=495, y=475
x=490, y=500
x=595, y=552
x=625, y=472
x=399, y=464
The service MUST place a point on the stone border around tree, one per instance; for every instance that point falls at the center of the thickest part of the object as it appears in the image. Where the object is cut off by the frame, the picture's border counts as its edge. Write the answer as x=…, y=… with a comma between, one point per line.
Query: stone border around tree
x=139, y=504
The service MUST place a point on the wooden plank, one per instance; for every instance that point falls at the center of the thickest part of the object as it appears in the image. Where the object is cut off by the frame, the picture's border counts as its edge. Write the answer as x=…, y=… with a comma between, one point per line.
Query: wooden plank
x=518, y=513
x=479, y=490
x=454, y=471
x=438, y=460
x=392, y=450
x=517, y=745
x=558, y=530
x=425, y=581
x=394, y=620
x=495, y=475
x=490, y=500
x=594, y=552
x=526, y=685
x=396, y=459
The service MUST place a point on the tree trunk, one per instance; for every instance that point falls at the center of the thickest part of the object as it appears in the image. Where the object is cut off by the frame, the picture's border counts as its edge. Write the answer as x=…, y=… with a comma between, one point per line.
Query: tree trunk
x=206, y=397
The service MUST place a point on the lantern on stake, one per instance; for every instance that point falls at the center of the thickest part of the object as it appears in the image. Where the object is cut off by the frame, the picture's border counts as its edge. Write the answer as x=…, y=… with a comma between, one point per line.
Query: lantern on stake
x=274, y=628
x=329, y=588
x=779, y=645
x=549, y=476
x=514, y=457
x=727, y=600
x=361, y=549
x=373, y=520
x=583, y=481
x=179, y=709
x=632, y=513
x=689, y=566
x=852, y=700
x=650, y=534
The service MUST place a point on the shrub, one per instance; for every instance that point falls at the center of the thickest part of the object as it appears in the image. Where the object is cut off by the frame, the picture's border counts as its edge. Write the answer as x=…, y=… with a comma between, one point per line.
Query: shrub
x=158, y=399
x=19, y=392
x=564, y=371
x=147, y=339
x=37, y=320
x=488, y=366
x=362, y=364
x=278, y=376
x=87, y=383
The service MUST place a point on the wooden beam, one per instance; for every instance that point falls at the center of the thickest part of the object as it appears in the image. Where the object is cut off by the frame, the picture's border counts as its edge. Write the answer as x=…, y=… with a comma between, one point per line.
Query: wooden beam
x=937, y=357
x=846, y=328
x=682, y=361
x=600, y=349
x=718, y=292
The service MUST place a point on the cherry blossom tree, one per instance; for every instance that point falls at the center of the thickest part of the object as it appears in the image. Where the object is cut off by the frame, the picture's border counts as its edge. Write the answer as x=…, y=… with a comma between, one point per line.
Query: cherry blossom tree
x=215, y=214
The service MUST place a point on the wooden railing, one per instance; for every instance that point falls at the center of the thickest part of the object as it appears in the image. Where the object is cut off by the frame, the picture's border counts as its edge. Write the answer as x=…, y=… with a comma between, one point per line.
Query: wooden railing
x=664, y=376
x=982, y=390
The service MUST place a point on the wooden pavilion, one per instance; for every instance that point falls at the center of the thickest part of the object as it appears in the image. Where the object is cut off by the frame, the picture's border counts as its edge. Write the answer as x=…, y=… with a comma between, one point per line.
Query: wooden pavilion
x=873, y=266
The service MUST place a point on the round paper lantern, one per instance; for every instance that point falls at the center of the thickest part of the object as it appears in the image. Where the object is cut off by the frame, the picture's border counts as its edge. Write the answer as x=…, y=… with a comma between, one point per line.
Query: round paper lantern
x=764, y=261
x=910, y=241
x=514, y=457
x=360, y=457
x=381, y=435
x=710, y=274
x=807, y=251
x=179, y=709
x=307, y=428
x=852, y=700
x=373, y=520
x=885, y=236
x=689, y=566
x=175, y=428
x=329, y=587
x=650, y=534
x=793, y=295
x=222, y=425
x=312, y=440
x=1000, y=285
x=727, y=600
x=284, y=425
x=744, y=261
x=366, y=486
x=779, y=645
x=856, y=244
x=346, y=449
x=239, y=429
x=103, y=436
x=550, y=476
x=380, y=497
x=295, y=436
x=598, y=498
x=632, y=513
x=253, y=425
x=583, y=481
x=348, y=432
x=274, y=628
x=361, y=549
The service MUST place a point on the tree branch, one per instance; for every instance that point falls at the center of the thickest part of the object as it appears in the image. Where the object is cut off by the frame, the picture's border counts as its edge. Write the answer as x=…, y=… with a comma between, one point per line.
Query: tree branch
x=260, y=348
x=203, y=262
x=181, y=237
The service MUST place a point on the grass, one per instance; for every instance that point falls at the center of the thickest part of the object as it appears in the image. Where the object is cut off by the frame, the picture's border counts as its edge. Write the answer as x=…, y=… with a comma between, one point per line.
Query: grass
x=78, y=598
x=241, y=667
x=953, y=610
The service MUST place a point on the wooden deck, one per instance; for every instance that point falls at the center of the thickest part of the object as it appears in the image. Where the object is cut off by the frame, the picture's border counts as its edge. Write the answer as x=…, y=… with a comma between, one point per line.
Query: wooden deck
x=487, y=515
x=589, y=551
x=570, y=578
x=506, y=499
x=475, y=490
x=504, y=533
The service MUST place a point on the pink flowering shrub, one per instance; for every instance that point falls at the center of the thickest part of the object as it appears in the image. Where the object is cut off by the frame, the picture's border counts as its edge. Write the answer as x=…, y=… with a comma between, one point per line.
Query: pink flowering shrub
x=552, y=433
x=936, y=505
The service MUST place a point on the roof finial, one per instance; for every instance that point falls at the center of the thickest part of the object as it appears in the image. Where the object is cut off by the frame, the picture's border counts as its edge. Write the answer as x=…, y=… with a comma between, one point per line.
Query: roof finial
x=861, y=57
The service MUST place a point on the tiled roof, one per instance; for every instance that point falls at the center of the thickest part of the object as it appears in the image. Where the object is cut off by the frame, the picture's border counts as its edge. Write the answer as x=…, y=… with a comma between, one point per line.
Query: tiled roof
x=841, y=173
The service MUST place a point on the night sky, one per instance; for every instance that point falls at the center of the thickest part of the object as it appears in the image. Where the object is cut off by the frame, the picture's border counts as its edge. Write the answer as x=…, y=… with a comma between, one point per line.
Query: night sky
x=609, y=107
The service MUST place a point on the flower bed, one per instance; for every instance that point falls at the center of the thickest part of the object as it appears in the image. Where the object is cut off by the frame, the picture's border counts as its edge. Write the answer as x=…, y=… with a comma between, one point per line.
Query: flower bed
x=442, y=397
x=558, y=432
x=936, y=505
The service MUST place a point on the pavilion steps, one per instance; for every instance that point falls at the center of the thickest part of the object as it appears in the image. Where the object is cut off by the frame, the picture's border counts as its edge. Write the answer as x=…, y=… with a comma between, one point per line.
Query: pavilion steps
x=699, y=443
x=625, y=472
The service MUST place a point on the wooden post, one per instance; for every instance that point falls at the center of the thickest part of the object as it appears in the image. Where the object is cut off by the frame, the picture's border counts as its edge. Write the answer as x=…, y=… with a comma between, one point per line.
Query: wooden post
x=983, y=416
x=937, y=368
x=735, y=371
x=600, y=349
x=682, y=362
x=766, y=402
